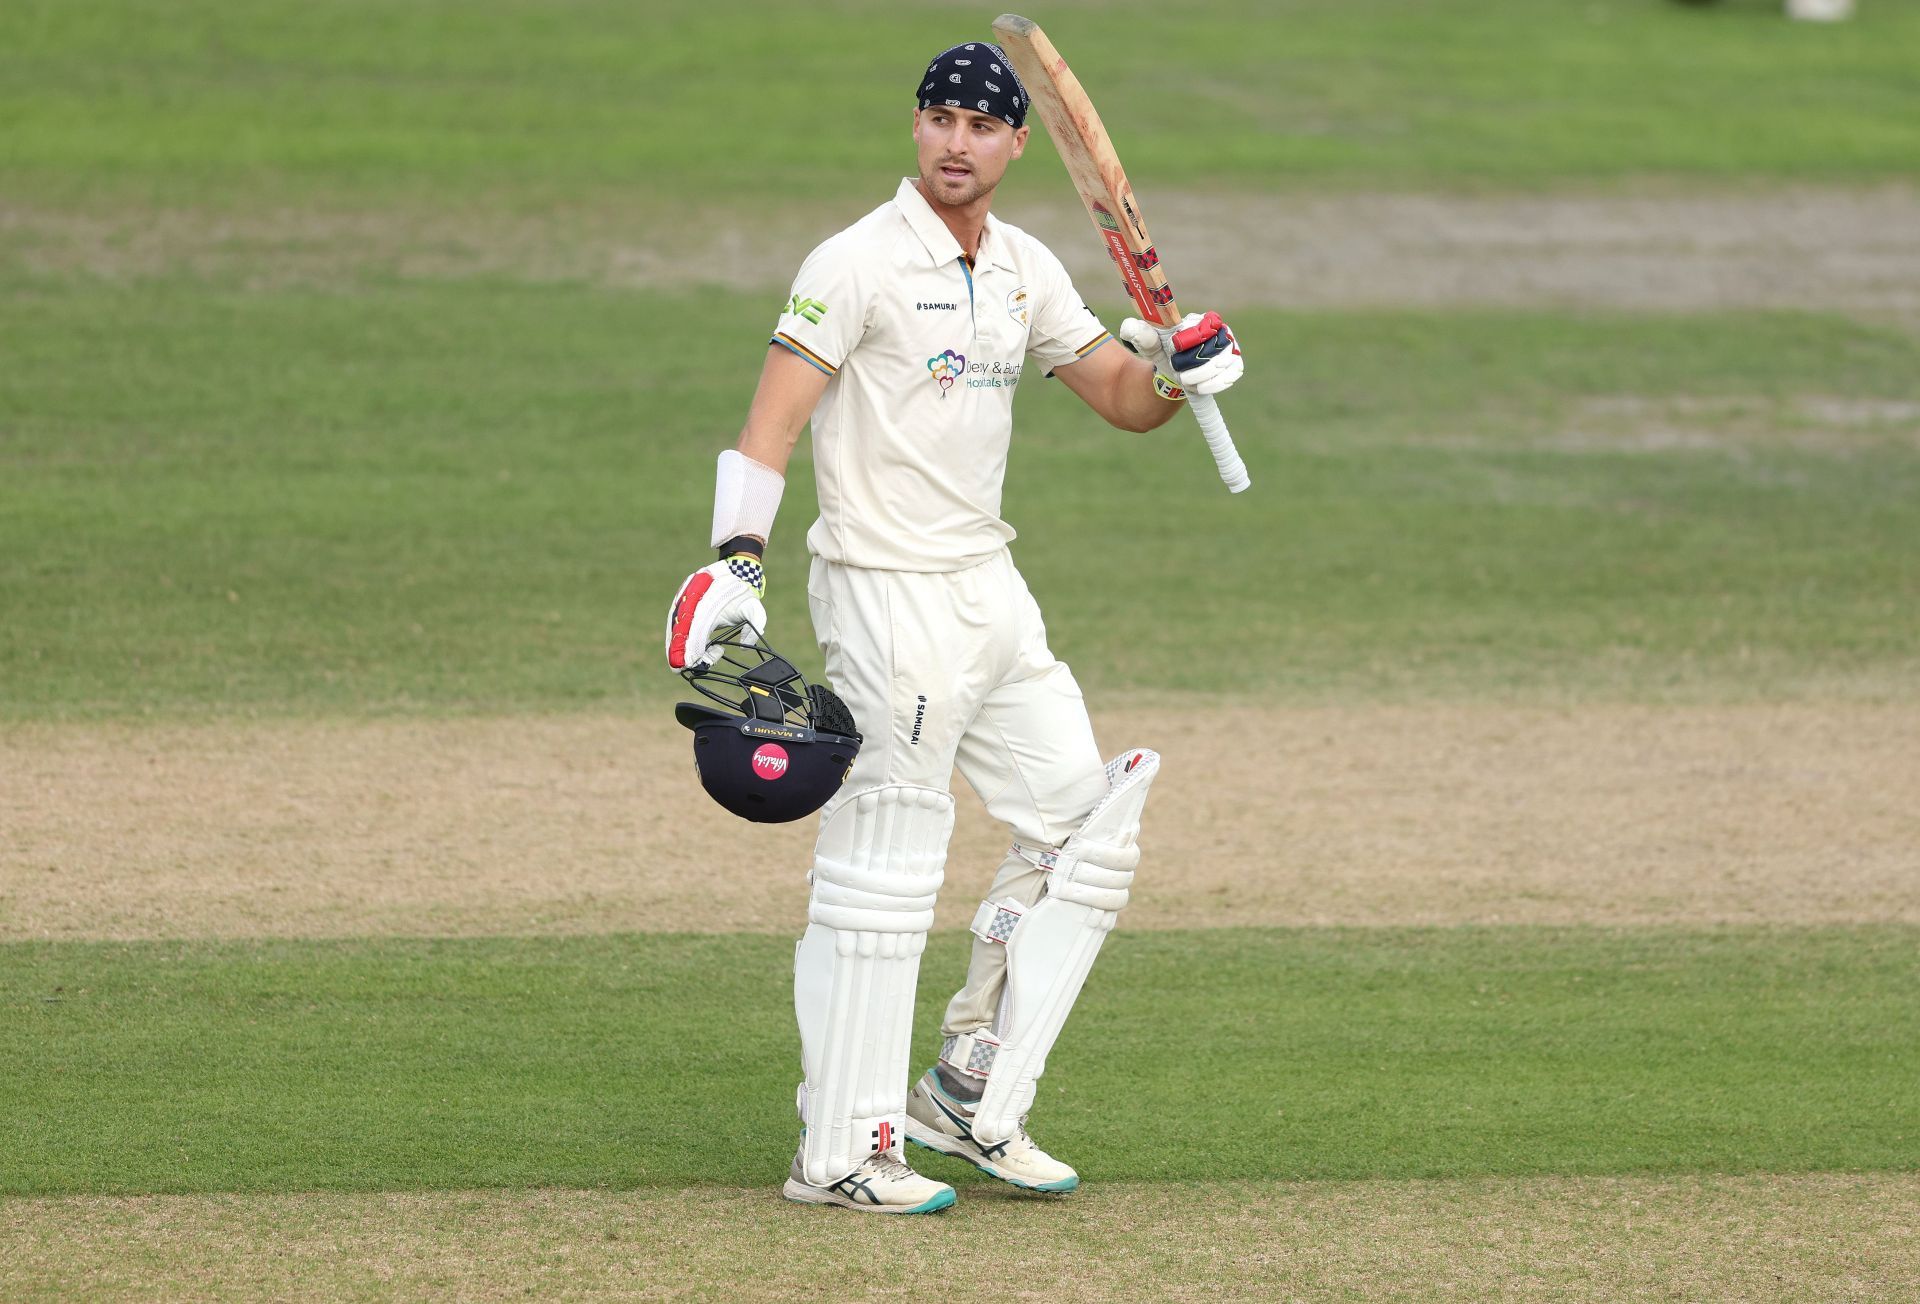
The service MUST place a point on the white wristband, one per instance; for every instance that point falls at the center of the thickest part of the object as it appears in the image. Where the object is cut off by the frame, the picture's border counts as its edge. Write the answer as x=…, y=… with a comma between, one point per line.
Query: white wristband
x=746, y=495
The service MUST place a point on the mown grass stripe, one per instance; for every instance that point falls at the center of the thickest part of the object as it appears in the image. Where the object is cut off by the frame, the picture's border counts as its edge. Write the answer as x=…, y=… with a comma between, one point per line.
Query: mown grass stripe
x=669, y=1060
x=1801, y=1237
x=424, y=498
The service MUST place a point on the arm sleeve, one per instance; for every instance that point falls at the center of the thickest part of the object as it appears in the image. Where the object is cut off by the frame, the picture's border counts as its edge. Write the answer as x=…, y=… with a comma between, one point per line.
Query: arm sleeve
x=1064, y=328
x=825, y=315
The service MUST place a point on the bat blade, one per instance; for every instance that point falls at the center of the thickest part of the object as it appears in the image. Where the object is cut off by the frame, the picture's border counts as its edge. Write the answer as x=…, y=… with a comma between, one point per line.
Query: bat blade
x=1081, y=140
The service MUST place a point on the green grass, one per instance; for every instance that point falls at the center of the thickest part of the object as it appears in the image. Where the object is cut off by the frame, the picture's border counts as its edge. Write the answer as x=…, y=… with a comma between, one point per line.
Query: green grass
x=423, y=497
x=657, y=1060
x=209, y=102
x=220, y=493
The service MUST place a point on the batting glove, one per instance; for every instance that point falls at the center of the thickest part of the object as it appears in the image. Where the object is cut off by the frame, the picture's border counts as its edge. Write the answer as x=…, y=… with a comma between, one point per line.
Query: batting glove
x=1144, y=339
x=715, y=597
x=1206, y=358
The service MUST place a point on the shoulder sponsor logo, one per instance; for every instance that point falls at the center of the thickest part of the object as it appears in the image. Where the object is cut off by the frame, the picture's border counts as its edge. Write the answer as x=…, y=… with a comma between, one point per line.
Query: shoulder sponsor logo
x=937, y=307
x=810, y=309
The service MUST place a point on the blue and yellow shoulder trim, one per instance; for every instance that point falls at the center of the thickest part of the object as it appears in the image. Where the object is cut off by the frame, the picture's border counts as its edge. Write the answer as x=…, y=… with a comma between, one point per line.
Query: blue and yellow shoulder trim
x=801, y=351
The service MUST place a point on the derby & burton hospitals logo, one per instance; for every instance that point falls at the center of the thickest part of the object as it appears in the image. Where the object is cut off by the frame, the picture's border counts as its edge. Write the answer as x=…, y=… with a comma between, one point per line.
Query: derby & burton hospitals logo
x=946, y=368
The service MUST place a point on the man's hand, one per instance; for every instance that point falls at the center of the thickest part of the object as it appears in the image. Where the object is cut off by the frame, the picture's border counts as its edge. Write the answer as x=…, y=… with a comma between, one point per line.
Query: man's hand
x=726, y=593
x=1200, y=352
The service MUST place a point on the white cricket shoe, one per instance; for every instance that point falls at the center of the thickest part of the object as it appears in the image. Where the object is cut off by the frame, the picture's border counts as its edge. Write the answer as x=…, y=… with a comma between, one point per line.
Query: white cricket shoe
x=939, y=1122
x=883, y=1184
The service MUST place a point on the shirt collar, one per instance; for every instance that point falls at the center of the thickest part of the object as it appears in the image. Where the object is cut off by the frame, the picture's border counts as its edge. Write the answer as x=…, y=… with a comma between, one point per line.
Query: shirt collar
x=939, y=241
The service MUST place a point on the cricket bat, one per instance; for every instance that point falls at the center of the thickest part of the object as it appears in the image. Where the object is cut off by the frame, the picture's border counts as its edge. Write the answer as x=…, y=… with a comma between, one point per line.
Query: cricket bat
x=1082, y=143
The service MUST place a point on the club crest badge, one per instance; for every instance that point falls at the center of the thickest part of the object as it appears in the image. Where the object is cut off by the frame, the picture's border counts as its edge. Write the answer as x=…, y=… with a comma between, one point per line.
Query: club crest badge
x=1017, y=305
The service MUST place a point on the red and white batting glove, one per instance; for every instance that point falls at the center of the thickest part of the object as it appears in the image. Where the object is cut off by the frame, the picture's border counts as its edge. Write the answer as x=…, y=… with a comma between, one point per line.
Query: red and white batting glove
x=1206, y=358
x=729, y=592
x=1198, y=356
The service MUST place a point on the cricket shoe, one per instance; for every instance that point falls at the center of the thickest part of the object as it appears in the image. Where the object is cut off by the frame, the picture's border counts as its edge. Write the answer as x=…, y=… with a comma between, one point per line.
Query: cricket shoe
x=882, y=1184
x=939, y=1121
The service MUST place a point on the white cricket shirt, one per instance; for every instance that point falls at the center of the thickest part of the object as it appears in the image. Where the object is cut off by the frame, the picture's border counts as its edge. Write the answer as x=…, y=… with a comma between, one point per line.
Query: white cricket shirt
x=910, y=438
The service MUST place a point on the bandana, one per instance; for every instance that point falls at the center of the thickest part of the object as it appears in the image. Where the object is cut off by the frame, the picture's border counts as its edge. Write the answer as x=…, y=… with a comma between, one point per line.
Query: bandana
x=975, y=76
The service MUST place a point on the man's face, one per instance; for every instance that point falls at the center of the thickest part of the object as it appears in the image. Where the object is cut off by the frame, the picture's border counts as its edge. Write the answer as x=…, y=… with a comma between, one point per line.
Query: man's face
x=963, y=154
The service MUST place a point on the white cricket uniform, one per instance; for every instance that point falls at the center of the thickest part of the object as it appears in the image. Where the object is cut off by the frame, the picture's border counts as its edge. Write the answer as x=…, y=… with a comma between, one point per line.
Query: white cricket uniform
x=928, y=630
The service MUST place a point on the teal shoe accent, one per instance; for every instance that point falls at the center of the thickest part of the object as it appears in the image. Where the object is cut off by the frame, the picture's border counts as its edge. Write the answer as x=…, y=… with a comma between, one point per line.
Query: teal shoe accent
x=936, y=1204
x=934, y=1078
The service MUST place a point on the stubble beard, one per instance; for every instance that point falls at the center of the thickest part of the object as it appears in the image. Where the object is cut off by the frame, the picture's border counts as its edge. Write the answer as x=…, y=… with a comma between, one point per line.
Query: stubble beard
x=943, y=190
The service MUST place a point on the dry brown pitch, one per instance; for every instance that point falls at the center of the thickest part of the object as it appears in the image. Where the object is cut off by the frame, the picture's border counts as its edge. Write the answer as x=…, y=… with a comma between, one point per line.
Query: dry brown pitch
x=1375, y=815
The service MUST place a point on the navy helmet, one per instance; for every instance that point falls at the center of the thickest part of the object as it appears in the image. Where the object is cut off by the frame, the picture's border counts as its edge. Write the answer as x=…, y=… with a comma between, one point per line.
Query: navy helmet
x=777, y=747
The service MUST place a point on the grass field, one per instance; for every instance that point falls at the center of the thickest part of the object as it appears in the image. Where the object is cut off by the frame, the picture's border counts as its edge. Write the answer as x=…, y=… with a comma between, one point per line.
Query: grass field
x=518, y=102
x=1530, y=903
x=604, y=1062
x=431, y=498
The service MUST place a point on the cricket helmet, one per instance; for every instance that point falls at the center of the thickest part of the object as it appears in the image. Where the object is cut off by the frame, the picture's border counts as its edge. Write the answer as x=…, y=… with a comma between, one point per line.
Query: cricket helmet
x=777, y=747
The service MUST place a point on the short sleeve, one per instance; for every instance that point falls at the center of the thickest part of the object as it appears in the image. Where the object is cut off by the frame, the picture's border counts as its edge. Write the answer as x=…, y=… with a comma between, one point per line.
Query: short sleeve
x=1064, y=328
x=825, y=314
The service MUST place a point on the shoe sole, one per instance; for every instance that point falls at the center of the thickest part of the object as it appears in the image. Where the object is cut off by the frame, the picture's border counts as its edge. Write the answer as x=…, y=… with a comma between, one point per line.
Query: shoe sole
x=930, y=1139
x=800, y=1193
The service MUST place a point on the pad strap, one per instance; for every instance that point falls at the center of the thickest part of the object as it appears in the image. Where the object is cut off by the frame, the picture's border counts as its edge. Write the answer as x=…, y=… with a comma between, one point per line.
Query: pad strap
x=970, y=1053
x=995, y=921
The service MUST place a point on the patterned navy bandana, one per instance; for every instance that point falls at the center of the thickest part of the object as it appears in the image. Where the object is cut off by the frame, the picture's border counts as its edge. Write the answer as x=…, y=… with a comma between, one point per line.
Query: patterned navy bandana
x=975, y=76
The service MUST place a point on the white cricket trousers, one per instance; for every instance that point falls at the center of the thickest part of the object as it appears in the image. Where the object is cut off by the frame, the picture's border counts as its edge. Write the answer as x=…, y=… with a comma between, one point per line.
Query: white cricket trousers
x=952, y=668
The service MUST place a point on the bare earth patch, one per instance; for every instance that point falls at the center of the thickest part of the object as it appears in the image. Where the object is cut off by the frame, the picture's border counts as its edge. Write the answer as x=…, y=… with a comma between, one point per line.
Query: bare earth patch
x=1330, y=815
x=1853, y=250
x=1821, y=424
x=1756, y=1237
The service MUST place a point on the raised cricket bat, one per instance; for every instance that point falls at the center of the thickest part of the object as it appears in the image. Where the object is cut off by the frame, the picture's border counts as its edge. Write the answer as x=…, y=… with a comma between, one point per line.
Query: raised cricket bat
x=1083, y=146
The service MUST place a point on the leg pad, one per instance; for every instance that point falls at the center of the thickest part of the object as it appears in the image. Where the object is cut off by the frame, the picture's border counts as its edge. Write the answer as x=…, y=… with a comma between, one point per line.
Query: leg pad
x=1052, y=944
x=877, y=870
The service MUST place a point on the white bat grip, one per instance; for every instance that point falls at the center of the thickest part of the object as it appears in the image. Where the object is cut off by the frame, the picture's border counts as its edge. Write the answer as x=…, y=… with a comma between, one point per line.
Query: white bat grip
x=1225, y=456
x=1206, y=410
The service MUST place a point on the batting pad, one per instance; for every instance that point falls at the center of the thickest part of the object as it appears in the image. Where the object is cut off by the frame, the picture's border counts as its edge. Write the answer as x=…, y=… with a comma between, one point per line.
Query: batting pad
x=877, y=869
x=1051, y=947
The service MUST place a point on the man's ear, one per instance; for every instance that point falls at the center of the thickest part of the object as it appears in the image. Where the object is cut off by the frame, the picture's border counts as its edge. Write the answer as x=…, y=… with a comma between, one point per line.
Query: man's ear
x=1020, y=135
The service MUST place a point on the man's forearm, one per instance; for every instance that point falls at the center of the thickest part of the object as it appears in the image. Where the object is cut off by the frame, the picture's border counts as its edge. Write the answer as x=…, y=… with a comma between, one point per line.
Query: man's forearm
x=1139, y=404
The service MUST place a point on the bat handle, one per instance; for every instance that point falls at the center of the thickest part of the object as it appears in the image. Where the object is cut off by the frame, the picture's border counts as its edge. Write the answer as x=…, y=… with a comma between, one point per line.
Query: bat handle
x=1206, y=409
